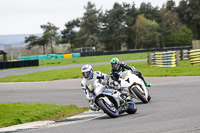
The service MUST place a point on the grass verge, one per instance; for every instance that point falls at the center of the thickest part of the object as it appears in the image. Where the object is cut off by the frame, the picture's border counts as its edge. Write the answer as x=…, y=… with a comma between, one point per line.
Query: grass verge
x=18, y=113
x=91, y=59
x=185, y=69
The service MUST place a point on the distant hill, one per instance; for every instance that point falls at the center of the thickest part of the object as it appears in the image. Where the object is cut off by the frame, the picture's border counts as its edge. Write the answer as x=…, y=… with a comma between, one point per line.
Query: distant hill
x=14, y=40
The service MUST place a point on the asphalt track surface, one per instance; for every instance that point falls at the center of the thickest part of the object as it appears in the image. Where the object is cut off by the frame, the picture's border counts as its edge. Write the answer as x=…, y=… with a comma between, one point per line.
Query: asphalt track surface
x=4, y=73
x=174, y=108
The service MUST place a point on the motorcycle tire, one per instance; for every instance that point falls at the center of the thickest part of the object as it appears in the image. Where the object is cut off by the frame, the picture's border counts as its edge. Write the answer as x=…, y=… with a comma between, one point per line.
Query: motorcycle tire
x=107, y=109
x=140, y=95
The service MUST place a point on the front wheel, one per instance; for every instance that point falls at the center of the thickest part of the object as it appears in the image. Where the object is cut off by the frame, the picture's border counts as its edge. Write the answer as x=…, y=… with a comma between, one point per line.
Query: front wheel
x=109, y=110
x=140, y=95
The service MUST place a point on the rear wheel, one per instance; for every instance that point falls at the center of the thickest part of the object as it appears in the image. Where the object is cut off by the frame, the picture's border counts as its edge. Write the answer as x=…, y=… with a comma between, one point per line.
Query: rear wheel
x=109, y=110
x=140, y=95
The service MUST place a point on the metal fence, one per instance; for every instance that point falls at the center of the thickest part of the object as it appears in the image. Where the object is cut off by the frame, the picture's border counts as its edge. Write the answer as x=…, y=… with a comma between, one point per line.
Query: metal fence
x=98, y=53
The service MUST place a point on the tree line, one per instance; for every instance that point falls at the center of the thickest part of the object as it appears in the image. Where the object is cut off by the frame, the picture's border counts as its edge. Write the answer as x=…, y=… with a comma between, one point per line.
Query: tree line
x=126, y=27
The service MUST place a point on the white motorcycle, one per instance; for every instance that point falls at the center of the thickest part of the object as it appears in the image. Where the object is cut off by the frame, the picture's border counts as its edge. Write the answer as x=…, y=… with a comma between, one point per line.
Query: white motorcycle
x=110, y=101
x=136, y=87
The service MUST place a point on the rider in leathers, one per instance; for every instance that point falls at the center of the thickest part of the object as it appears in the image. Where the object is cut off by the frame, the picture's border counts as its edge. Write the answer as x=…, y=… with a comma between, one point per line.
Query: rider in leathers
x=118, y=66
x=89, y=76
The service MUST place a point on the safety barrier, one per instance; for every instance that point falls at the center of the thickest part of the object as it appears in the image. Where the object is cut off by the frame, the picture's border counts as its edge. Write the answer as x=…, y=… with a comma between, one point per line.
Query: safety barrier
x=195, y=57
x=17, y=64
x=43, y=57
x=67, y=55
x=164, y=59
x=196, y=44
x=76, y=55
x=184, y=55
x=56, y=56
x=50, y=56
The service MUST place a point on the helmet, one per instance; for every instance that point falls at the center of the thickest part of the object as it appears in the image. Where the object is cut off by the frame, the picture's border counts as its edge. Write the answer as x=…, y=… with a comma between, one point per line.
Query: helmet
x=87, y=71
x=115, y=63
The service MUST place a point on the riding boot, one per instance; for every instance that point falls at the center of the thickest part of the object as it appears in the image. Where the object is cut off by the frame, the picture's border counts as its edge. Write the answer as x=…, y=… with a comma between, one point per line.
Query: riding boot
x=139, y=74
x=127, y=96
x=93, y=106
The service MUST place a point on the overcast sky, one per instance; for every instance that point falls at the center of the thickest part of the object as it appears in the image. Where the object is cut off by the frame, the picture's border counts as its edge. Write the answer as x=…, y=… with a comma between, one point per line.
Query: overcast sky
x=26, y=16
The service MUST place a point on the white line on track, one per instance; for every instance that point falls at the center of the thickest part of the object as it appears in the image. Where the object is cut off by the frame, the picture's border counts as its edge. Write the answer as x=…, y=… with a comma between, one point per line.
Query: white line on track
x=86, y=116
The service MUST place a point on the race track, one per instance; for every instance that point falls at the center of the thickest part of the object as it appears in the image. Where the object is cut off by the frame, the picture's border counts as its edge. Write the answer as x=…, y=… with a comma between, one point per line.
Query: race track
x=174, y=108
x=22, y=71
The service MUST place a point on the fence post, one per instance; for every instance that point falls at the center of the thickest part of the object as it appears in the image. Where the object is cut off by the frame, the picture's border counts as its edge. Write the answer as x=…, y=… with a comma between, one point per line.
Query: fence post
x=149, y=58
x=182, y=54
x=177, y=58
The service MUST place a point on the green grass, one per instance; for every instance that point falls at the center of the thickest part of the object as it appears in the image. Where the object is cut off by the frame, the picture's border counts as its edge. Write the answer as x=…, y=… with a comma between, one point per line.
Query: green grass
x=91, y=59
x=185, y=69
x=18, y=113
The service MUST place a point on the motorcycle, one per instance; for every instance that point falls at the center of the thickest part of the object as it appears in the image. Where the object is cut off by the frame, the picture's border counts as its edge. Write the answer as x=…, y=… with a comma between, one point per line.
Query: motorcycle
x=136, y=87
x=111, y=101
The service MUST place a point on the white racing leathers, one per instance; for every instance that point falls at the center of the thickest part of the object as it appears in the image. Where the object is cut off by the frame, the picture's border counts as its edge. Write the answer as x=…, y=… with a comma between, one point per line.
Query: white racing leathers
x=103, y=78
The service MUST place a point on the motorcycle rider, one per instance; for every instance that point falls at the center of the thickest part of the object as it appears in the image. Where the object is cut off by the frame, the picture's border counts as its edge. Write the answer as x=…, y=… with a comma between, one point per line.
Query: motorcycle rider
x=118, y=66
x=89, y=76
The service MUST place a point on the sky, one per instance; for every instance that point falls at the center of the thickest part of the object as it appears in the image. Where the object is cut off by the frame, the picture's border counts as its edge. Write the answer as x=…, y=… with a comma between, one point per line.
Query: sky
x=26, y=16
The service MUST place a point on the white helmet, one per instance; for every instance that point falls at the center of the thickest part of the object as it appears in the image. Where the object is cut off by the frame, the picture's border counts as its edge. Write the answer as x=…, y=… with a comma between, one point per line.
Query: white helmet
x=87, y=71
